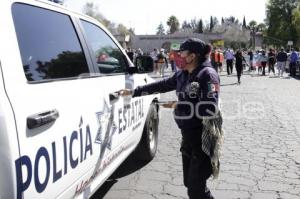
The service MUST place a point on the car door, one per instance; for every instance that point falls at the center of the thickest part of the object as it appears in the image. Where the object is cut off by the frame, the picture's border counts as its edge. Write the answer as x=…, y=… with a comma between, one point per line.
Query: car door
x=57, y=102
x=111, y=63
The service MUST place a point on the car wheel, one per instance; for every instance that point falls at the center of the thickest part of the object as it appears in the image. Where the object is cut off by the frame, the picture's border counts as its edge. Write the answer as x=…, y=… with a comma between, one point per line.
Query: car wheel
x=147, y=147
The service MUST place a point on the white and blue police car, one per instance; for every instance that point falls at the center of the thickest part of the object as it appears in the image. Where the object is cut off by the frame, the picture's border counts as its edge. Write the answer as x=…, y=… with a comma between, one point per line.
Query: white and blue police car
x=63, y=128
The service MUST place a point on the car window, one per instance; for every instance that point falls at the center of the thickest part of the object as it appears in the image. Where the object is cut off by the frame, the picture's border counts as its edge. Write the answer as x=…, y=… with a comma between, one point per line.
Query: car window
x=108, y=56
x=49, y=45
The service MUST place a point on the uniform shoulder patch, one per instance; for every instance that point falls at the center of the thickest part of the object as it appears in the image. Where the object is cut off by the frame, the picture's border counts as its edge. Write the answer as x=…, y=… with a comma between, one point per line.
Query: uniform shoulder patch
x=213, y=87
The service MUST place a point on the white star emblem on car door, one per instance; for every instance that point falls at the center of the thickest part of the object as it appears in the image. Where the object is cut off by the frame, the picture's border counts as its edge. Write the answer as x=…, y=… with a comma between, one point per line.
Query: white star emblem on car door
x=105, y=119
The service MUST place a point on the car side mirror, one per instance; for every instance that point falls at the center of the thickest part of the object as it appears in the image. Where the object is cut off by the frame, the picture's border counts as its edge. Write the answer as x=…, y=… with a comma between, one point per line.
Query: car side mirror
x=144, y=64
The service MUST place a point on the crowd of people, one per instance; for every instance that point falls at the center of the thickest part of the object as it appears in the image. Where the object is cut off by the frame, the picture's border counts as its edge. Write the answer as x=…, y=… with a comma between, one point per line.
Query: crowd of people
x=273, y=62
x=277, y=62
x=161, y=59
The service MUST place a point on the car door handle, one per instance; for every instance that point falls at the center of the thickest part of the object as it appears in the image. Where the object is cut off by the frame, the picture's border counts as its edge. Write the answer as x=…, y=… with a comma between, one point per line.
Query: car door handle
x=113, y=97
x=40, y=119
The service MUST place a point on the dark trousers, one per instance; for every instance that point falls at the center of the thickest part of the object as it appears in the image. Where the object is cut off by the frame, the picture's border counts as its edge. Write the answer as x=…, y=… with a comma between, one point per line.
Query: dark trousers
x=293, y=69
x=271, y=67
x=263, y=64
x=196, y=165
x=239, y=70
x=216, y=66
x=229, y=65
x=173, y=65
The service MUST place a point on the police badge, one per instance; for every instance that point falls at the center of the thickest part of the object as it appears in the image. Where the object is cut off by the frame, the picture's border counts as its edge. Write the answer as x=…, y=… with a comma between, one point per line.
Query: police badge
x=194, y=89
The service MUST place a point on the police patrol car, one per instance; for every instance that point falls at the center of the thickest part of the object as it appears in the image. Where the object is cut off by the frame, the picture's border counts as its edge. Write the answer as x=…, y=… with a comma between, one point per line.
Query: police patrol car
x=63, y=128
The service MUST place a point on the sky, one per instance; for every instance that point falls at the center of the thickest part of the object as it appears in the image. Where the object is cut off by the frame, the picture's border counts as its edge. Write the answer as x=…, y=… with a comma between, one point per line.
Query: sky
x=145, y=16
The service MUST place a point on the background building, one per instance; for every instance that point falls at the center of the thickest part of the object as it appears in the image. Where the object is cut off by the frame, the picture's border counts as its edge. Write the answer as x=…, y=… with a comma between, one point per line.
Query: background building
x=148, y=42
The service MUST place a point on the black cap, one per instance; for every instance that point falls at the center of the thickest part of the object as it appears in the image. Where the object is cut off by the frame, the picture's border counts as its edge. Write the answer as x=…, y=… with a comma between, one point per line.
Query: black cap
x=193, y=45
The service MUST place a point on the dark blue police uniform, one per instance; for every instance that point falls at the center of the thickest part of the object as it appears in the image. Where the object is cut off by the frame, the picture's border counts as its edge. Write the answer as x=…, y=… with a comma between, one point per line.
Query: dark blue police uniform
x=199, y=89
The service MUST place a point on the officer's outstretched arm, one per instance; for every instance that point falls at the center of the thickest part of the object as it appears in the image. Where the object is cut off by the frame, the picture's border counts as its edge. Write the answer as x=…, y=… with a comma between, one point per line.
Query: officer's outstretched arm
x=162, y=86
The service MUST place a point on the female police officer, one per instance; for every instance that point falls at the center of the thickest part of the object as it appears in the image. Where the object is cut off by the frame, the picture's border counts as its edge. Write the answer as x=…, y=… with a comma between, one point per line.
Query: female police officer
x=197, y=88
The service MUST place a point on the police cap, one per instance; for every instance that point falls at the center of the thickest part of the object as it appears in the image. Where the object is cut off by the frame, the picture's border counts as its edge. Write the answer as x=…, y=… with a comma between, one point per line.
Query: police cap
x=194, y=45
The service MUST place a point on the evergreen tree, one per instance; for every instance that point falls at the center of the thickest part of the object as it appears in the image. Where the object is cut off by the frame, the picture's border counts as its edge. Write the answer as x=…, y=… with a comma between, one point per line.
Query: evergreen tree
x=211, y=24
x=160, y=29
x=244, y=23
x=222, y=20
x=199, y=26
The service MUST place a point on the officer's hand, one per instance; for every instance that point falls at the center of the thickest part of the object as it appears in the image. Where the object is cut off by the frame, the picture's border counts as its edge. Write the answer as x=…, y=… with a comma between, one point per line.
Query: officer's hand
x=170, y=105
x=125, y=92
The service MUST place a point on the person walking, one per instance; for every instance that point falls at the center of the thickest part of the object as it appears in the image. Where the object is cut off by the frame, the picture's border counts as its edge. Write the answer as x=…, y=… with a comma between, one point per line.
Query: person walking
x=229, y=56
x=214, y=57
x=281, y=61
x=239, y=64
x=220, y=60
x=162, y=62
x=250, y=54
x=271, y=61
x=153, y=55
x=293, y=63
x=172, y=55
x=263, y=61
x=196, y=113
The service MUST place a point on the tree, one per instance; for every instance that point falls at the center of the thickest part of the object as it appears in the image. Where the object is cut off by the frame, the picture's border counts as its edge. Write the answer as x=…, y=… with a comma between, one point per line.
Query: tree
x=160, y=29
x=91, y=10
x=252, y=24
x=244, y=23
x=122, y=29
x=193, y=24
x=186, y=25
x=131, y=31
x=222, y=20
x=261, y=27
x=173, y=24
x=296, y=20
x=231, y=19
x=199, y=26
x=280, y=21
x=295, y=29
x=211, y=24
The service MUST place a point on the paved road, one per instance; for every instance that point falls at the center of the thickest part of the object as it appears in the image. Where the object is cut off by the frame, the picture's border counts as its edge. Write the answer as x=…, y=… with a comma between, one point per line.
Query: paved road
x=261, y=150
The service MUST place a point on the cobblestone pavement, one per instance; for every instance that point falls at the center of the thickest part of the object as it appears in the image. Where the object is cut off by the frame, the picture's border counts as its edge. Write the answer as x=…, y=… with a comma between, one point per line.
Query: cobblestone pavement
x=260, y=155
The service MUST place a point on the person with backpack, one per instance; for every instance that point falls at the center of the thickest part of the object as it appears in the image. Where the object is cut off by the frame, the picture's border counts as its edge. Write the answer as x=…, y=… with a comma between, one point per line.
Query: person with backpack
x=196, y=113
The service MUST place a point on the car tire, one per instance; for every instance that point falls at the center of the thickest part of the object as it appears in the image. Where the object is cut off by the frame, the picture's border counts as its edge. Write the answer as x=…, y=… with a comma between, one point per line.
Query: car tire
x=147, y=146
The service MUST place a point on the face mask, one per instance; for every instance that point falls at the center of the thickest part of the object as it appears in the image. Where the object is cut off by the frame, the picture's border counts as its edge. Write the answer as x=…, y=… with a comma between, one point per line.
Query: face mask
x=180, y=62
